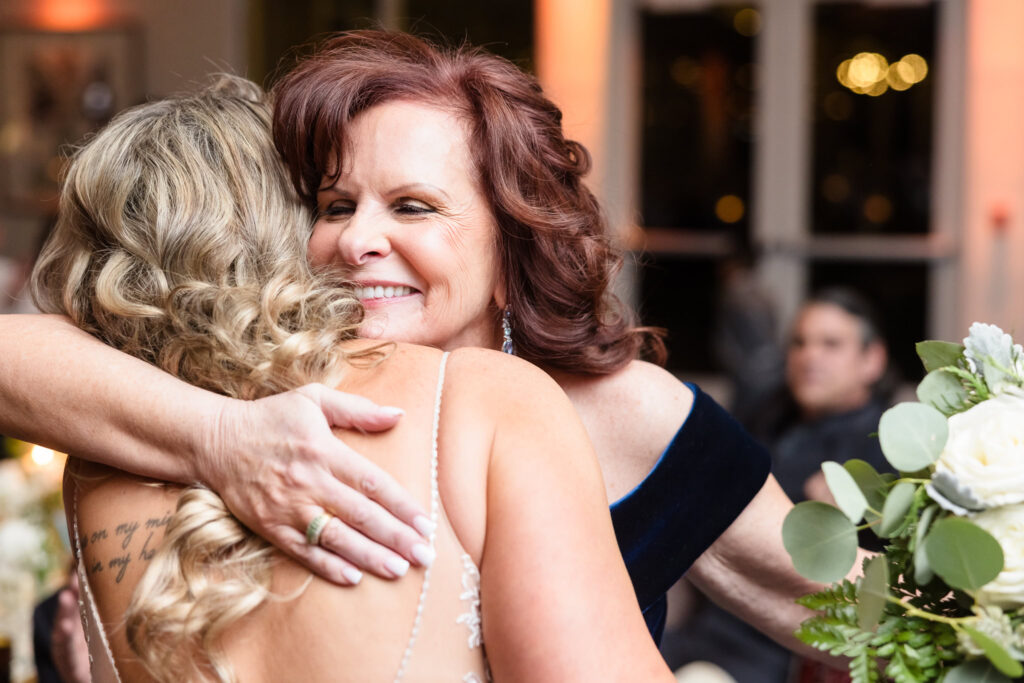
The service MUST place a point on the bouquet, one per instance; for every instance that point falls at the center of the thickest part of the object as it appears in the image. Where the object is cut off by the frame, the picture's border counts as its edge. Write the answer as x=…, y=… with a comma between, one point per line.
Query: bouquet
x=943, y=601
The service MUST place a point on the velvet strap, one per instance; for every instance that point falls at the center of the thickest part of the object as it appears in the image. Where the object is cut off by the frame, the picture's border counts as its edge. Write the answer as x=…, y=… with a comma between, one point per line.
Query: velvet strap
x=707, y=475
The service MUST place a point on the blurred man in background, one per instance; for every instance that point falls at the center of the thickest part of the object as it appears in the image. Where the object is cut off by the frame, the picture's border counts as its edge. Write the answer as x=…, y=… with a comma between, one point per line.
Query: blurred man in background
x=837, y=385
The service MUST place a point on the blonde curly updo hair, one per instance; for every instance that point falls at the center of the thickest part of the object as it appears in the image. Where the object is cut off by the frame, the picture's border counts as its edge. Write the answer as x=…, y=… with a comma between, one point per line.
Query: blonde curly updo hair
x=181, y=242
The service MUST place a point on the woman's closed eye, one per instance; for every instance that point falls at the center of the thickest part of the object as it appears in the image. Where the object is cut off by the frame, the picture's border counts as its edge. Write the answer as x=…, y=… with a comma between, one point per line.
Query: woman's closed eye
x=412, y=207
x=338, y=209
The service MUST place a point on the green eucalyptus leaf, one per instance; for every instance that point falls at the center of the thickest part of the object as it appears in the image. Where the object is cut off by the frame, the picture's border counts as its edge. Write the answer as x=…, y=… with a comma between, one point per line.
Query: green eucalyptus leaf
x=963, y=554
x=923, y=573
x=847, y=494
x=873, y=593
x=821, y=541
x=894, y=512
x=975, y=671
x=942, y=391
x=870, y=483
x=938, y=354
x=996, y=653
x=912, y=435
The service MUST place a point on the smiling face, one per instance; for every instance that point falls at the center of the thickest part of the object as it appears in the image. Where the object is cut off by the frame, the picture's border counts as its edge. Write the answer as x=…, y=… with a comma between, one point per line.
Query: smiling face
x=406, y=222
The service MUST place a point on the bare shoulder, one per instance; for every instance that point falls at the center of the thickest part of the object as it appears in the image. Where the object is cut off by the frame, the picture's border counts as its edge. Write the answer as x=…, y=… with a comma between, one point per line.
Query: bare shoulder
x=640, y=386
x=631, y=416
x=503, y=381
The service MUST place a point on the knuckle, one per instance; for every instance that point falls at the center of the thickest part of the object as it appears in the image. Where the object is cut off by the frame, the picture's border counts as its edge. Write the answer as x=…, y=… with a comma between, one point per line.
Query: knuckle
x=332, y=536
x=295, y=474
x=380, y=564
x=359, y=514
x=263, y=508
x=370, y=483
x=397, y=539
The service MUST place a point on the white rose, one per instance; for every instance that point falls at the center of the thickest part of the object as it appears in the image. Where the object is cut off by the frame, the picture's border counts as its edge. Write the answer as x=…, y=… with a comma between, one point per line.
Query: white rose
x=985, y=450
x=1006, y=524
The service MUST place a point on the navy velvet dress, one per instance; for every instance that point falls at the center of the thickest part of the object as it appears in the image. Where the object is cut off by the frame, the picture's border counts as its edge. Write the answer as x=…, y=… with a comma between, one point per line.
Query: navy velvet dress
x=707, y=475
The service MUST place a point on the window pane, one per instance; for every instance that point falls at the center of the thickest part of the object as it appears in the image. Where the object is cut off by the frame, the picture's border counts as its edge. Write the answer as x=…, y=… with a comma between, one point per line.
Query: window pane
x=873, y=95
x=504, y=27
x=698, y=84
x=678, y=294
x=698, y=81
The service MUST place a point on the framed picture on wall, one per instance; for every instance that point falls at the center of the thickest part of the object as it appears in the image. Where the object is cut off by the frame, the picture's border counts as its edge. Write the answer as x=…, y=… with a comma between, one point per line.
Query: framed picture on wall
x=57, y=88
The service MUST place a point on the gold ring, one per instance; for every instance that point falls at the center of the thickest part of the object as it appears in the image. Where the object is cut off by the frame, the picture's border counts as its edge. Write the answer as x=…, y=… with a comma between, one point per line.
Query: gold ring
x=316, y=527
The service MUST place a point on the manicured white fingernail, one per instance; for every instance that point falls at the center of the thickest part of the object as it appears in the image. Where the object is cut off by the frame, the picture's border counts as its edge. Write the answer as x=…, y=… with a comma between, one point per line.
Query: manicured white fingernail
x=391, y=411
x=423, y=554
x=396, y=566
x=424, y=526
x=353, y=576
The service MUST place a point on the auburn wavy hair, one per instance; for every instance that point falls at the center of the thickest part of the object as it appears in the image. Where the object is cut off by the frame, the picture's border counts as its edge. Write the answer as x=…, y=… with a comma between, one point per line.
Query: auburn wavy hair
x=181, y=242
x=556, y=259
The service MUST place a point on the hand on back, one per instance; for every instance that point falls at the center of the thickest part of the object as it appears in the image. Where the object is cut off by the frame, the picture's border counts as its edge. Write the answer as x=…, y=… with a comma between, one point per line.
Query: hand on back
x=277, y=465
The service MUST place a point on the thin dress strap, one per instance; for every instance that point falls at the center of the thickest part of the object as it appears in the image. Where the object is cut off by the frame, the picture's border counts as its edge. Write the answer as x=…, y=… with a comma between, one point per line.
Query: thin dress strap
x=435, y=506
x=102, y=667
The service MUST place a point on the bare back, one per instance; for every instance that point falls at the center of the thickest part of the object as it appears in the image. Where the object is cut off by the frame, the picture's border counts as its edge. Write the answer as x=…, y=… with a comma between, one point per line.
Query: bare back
x=362, y=633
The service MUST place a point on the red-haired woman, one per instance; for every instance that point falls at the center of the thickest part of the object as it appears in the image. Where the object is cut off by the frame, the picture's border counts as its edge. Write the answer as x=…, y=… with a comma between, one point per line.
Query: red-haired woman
x=447, y=193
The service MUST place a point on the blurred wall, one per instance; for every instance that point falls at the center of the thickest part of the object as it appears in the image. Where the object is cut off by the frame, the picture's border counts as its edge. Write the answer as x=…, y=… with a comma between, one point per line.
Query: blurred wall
x=183, y=41
x=993, y=224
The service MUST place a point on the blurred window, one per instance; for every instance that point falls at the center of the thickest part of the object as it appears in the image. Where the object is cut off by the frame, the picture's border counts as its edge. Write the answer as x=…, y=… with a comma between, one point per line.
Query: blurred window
x=698, y=84
x=869, y=80
x=504, y=27
x=874, y=76
x=874, y=82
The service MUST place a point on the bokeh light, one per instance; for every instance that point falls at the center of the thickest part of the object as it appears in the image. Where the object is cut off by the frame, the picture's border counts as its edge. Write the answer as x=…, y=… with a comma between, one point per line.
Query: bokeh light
x=918, y=67
x=869, y=73
x=836, y=188
x=877, y=208
x=730, y=208
x=686, y=72
x=41, y=456
x=866, y=69
x=747, y=22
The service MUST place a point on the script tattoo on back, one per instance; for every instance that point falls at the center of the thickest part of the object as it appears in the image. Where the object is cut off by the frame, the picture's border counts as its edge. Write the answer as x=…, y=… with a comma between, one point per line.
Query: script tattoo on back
x=115, y=547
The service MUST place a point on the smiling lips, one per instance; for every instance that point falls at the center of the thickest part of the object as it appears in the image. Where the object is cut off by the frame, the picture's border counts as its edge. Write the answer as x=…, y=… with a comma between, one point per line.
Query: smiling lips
x=382, y=292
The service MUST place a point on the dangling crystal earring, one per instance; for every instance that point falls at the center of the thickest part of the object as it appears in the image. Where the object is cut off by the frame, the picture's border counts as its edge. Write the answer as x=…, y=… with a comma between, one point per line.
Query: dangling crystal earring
x=506, y=332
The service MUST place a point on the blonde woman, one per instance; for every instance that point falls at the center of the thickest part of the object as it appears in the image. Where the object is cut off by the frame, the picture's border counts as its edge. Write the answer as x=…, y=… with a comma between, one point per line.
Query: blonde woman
x=179, y=244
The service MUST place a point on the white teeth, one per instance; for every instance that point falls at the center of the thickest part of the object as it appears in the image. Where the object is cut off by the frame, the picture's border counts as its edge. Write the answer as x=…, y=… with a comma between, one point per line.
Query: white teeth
x=381, y=292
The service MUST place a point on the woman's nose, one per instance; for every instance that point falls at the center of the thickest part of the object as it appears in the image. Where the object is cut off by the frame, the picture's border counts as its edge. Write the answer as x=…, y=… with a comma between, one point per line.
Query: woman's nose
x=364, y=239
